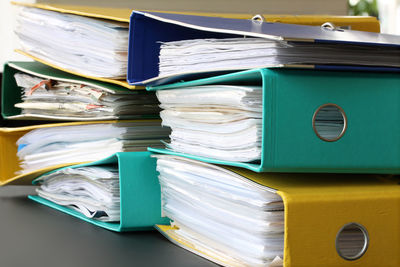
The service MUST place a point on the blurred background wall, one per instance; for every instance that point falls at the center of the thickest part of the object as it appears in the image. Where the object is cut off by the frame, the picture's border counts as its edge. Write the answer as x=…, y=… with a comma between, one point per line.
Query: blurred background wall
x=336, y=7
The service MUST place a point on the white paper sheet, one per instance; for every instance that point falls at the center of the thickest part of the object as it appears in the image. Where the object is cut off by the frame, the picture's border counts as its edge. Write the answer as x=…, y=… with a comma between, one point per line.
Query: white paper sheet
x=201, y=55
x=218, y=121
x=46, y=147
x=55, y=99
x=89, y=46
x=217, y=212
x=93, y=191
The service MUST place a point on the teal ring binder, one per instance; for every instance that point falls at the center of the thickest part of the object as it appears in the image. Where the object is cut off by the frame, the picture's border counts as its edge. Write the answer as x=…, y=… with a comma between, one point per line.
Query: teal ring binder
x=371, y=143
x=139, y=192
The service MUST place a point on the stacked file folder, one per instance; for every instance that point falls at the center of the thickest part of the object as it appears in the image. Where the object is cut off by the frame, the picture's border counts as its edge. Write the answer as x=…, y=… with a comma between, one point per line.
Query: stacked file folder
x=272, y=145
x=307, y=112
x=179, y=47
x=89, y=117
x=234, y=217
x=36, y=91
x=84, y=45
x=136, y=203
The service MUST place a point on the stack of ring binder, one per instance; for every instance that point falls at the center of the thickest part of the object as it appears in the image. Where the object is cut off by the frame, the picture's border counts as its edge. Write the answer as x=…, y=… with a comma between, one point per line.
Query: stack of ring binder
x=295, y=140
x=315, y=140
x=283, y=139
x=56, y=103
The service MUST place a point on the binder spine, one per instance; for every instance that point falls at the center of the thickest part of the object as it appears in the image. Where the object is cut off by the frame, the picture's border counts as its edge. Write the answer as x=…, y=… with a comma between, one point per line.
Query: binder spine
x=139, y=191
x=314, y=221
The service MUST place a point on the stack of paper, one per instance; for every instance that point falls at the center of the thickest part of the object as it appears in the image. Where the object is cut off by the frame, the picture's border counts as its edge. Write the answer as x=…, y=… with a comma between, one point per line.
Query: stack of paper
x=220, y=213
x=202, y=55
x=93, y=191
x=88, y=46
x=51, y=146
x=235, y=218
x=55, y=99
x=219, y=121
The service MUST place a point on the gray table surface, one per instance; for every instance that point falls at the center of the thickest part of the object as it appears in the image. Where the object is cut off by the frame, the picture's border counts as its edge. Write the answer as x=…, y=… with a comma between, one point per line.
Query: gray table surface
x=35, y=235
